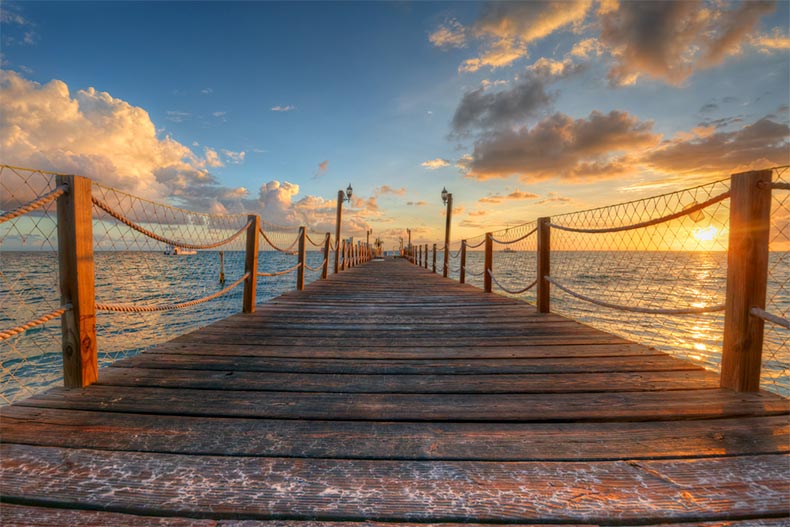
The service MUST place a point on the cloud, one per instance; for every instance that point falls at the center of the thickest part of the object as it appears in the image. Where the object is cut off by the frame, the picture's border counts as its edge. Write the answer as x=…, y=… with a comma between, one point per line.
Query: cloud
x=517, y=194
x=670, y=40
x=587, y=48
x=176, y=116
x=288, y=108
x=386, y=189
x=562, y=147
x=477, y=213
x=775, y=40
x=96, y=135
x=206, y=91
x=322, y=168
x=553, y=197
x=219, y=114
x=416, y=203
x=491, y=199
x=235, y=158
x=761, y=144
x=483, y=109
x=507, y=28
x=212, y=158
x=709, y=107
x=433, y=164
x=451, y=34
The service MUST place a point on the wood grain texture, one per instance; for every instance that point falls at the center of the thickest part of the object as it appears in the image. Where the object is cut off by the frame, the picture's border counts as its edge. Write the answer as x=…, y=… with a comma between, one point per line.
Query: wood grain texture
x=389, y=394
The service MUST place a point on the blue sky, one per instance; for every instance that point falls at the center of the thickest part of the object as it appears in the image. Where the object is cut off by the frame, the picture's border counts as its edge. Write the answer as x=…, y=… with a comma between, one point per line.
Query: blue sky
x=537, y=108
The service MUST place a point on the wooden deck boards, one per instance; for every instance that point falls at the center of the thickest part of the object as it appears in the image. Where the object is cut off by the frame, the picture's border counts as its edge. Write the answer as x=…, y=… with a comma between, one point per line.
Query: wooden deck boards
x=388, y=394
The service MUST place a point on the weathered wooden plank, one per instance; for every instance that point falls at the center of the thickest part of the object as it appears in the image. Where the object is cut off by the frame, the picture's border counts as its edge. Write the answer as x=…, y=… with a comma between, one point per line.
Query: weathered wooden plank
x=259, y=488
x=393, y=440
x=639, y=406
x=25, y=516
x=408, y=366
x=348, y=383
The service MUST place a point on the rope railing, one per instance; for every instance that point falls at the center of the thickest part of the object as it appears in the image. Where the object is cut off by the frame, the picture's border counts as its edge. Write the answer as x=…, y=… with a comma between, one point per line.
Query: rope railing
x=319, y=268
x=770, y=317
x=274, y=246
x=649, y=223
x=650, y=311
x=509, y=242
x=142, y=230
x=313, y=243
x=512, y=292
x=147, y=308
x=280, y=273
x=8, y=333
x=475, y=246
x=467, y=271
x=33, y=205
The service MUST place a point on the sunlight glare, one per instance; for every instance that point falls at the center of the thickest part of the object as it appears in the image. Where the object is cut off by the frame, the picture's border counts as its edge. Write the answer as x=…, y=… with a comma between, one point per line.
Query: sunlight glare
x=705, y=234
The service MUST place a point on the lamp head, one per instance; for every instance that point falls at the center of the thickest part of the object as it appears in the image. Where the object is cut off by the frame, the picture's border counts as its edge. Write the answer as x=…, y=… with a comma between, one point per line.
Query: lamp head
x=444, y=195
x=349, y=191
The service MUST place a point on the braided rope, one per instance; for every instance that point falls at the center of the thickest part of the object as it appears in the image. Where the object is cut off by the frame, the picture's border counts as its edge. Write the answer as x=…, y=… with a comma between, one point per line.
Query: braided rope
x=506, y=290
x=287, y=249
x=456, y=255
x=684, y=311
x=649, y=223
x=475, y=246
x=309, y=239
x=530, y=233
x=467, y=271
x=8, y=333
x=142, y=230
x=320, y=266
x=765, y=315
x=35, y=204
x=456, y=270
x=280, y=273
x=137, y=308
x=778, y=185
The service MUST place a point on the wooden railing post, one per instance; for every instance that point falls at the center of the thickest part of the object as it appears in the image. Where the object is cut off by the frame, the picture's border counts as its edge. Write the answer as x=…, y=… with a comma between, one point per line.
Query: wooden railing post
x=75, y=253
x=251, y=264
x=343, y=260
x=489, y=262
x=302, y=260
x=544, y=266
x=434, y=258
x=325, y=270
x=462, y=271
x=426, y=256
x=747, y=279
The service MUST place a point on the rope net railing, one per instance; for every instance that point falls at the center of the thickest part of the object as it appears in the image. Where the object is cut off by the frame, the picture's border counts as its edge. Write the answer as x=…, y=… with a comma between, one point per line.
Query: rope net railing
x=30, y=352
x=514, y=261
x=160, y=271
x=651, y=270
x=776, y=335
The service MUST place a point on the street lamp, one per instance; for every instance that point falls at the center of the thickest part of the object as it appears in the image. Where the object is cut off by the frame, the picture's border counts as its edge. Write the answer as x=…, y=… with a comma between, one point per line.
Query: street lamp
x=408, y=246
x=341, y=197
x=447, y=199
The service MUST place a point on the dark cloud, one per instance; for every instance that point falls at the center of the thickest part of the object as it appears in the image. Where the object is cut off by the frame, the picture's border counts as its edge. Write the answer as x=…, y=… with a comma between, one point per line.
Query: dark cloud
x=709, y=107
x=721, y=123
x=669, y=40
x=760, y=144
x=562, y=147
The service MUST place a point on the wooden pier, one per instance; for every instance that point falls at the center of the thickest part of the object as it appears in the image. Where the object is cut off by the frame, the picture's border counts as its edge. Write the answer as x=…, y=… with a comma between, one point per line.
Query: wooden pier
x=389, y=394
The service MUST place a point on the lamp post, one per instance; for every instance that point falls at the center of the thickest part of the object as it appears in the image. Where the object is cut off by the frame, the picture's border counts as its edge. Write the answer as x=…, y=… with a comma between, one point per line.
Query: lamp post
x=367, y=243
x=341, y=197
x=447, y=199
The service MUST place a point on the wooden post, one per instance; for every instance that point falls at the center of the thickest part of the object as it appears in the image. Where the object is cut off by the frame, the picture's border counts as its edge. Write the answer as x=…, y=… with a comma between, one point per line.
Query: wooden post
x=426, y=257
x=340, y=197
x=747, y=279
x=448, y=223
x=251, y=264
x=462, y=276
x=302, y=260
x=434, y=258
x=325, y=270
x=343, y=260
x=489, y=262
x=544, y=265
x=75, y=253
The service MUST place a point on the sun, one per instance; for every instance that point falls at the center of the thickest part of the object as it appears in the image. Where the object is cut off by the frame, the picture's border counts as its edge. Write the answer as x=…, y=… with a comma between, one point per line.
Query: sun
x=705, y=234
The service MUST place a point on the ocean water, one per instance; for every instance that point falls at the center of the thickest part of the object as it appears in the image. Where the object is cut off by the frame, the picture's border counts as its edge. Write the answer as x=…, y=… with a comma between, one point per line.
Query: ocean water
x=28, y=288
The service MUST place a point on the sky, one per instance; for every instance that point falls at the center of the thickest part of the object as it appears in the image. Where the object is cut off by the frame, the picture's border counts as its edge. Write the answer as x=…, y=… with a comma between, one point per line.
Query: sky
x=520, y=109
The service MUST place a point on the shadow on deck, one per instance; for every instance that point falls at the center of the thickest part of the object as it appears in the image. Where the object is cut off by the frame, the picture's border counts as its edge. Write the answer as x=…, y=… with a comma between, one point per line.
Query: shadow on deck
x=387, y=393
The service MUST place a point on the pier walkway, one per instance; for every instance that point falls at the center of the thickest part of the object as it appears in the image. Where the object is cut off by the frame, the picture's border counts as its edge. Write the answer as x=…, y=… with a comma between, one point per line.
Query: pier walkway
x=389, y=394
